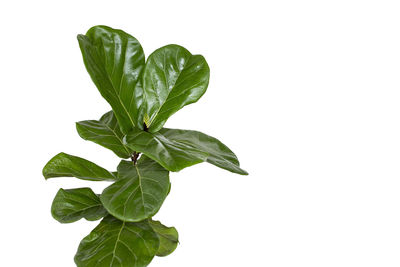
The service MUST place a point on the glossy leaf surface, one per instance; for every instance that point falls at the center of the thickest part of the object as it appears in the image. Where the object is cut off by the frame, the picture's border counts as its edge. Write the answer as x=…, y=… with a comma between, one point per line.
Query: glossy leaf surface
x=139, y=191
x=174, y=156
x=176, y=149
x=168, y=236
x=115, y=60
x=71, y=205
x=105, y=132
x=173, y=78
x=219, y=154
x=114, y=243
x=64, y=165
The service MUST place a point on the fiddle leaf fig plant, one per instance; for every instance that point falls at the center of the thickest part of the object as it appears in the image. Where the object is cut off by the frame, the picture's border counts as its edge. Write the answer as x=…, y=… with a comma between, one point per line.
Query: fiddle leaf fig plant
x=142, y=95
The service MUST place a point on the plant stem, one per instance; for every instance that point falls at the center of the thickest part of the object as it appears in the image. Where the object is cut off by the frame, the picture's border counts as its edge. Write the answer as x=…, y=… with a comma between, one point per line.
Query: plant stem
x=145, y=127
x=135, y=157
x=135, y=154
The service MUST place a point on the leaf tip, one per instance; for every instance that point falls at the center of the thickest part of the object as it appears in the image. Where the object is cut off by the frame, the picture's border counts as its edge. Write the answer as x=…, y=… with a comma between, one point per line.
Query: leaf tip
x=47, y=169
x=243, y=172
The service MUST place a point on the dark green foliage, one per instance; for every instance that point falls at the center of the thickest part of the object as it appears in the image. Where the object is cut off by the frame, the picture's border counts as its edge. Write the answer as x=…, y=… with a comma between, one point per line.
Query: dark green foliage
x=142, y=95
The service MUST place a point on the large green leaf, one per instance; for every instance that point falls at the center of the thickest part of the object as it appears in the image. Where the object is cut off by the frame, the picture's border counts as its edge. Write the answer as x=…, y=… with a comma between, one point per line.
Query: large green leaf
x=114, y=243
x=139, y=191
x=105, y=132
x=115, y=60
x=174, y=156
x=64, y=165
x=219, y=154
x=71, y=205
x=172, y=79
x=168, y=236
x=176, y=149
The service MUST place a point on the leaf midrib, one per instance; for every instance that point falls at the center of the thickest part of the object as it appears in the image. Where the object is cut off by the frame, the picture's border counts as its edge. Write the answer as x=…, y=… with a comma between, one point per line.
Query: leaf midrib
x=168, y=237
x=76, y=212
x=119, y=139
x=110, y=81
x=141, y=189
x=177, y=78
x=116, y=243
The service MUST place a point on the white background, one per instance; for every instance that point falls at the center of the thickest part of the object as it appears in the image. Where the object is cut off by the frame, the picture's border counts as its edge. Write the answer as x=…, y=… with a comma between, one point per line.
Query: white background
x=305, y=92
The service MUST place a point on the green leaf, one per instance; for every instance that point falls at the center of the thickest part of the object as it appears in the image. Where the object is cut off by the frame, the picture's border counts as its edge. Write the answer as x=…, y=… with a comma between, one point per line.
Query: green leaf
x=114, y=61
x=173, y=156
x=71, y=205
x=176, y=149
x=114, y=243
x=219, y=154
x=139, y=191
x=168, y=236
x=172, y=79
x=64, y=165
x=105, y=132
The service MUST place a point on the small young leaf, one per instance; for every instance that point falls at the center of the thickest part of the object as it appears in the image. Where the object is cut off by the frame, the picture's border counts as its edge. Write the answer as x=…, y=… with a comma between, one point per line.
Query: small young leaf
x=114, y=61
x=64, y=165
x=116, y=243
x=172, y=79
x=71, y=205
x=105, y=132
x=139, y=191
x=168, y=236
